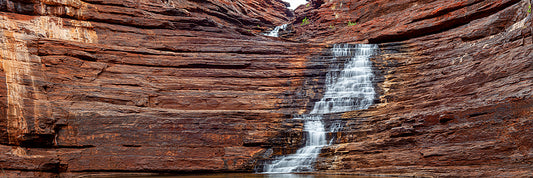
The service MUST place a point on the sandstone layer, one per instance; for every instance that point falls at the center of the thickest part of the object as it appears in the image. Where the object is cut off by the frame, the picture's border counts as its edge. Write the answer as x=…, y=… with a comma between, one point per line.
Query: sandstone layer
x=455, y=81
x=143, y=86
x=159, y=86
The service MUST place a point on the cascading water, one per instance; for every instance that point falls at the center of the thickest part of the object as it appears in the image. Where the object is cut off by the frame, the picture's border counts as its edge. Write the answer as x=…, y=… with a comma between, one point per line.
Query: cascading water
x=275, y=32
x=347, y=89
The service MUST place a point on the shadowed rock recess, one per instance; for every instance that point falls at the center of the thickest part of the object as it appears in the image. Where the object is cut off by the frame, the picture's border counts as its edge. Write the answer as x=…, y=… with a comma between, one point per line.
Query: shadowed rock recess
x=175, y=86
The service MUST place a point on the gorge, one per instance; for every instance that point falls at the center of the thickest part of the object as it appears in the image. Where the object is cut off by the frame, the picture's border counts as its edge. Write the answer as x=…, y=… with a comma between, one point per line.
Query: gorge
x=348, y=88
x=143, y=87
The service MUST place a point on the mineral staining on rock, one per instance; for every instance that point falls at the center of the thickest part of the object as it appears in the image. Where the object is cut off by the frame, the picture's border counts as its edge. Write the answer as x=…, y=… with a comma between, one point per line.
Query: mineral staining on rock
x=23, y=70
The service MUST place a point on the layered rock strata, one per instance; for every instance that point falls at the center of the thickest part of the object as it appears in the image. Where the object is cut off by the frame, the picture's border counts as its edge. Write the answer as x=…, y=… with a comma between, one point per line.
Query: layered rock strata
x=455, y=80
x=151, y=86
x=143, y=86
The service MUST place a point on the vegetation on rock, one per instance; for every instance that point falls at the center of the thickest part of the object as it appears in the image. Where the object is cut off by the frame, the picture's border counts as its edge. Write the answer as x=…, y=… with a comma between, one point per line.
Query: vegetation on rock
x=305, y=21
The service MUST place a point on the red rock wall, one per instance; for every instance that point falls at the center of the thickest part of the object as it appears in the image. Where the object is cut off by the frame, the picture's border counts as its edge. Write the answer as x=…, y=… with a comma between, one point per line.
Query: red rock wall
x=142, y=86
x=455, y=86
x=177, y=86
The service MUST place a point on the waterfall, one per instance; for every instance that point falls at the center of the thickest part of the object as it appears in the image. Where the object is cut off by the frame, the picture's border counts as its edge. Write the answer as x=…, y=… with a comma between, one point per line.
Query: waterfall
x=275, y=32
x=347, y=88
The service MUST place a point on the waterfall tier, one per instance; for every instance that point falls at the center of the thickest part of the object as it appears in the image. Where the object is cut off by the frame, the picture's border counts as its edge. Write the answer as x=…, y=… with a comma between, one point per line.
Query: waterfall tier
x=275, y=31
x=348, y=87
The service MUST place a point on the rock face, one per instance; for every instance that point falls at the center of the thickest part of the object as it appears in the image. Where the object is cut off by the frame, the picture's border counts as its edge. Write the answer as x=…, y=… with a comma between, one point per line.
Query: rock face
x=91, y=86
x=455, y=81
x=143, y=86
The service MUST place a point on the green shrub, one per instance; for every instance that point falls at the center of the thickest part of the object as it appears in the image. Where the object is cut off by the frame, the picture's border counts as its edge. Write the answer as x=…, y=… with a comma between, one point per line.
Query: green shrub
x=529, y=10
x=305, y=21
x=351, y=23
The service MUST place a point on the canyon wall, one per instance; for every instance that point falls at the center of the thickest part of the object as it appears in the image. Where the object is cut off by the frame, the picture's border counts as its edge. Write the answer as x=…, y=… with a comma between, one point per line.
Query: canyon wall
x=143, y=86
x=455, y=82
x=151, y=86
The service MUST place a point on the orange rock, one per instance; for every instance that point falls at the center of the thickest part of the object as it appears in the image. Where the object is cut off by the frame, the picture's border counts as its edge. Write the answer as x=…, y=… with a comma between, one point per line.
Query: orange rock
x=181, y=86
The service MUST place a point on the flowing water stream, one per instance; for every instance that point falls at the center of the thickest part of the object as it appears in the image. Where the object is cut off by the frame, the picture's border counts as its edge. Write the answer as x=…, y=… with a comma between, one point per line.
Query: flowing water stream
x=275, y=31
x=348, y=87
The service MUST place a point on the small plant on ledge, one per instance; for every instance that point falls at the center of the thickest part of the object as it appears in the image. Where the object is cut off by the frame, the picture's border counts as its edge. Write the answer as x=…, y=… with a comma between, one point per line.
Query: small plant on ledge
x=529, y=10
x=351, y=23
x=305, y=21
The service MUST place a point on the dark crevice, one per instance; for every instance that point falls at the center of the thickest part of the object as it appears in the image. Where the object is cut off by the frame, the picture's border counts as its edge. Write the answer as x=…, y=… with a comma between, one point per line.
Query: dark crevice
x=446, y=118
x=442, y=27
x=214, y=66
x=125, y=84
x=75, y=146
x=252, y=144
x=104, y=100
x=444, y=11
x=474, y=37
x=196, y=66
x=432, y=155
x=184, y=23
x=477, y=114
x=37, y=140
x=172, y=12
x=48, y=168
x=226, y=17
x=85, y=57
x=317, y=3
x=242, y=51
x=45, y=141
x=56, y=167
x=103, y=3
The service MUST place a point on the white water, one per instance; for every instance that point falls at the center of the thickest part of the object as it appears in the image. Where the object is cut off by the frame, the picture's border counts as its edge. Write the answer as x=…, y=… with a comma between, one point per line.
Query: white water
x=347, y=89
x=275, y=32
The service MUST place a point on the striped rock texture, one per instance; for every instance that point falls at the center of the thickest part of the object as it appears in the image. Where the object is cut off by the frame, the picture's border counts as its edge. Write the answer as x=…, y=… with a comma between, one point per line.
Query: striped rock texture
x=174, y=86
